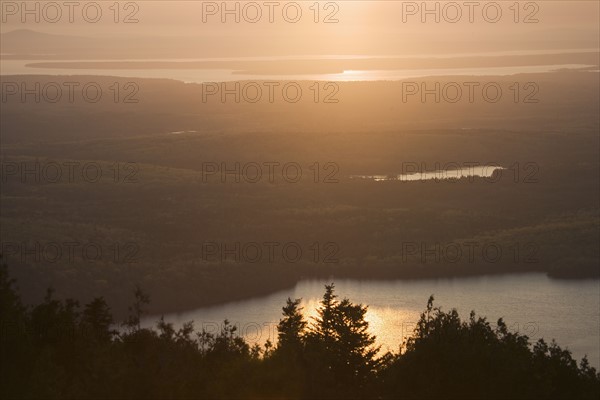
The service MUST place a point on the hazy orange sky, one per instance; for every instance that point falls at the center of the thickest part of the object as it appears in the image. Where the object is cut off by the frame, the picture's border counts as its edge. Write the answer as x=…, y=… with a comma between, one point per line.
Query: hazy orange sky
x=363, y=26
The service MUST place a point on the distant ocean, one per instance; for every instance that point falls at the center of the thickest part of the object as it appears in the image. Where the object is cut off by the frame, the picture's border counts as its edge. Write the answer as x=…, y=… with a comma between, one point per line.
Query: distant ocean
x=192, y=74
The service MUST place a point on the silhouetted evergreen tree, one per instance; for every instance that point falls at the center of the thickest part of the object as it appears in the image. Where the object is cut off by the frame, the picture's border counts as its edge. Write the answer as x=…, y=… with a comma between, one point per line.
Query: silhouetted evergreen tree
x=137, y=309
x=356, y=355
x=97, y=318
x=287, y=368
x=452, y=359
x=16, y=354
x=291, y=328
x=340, y=352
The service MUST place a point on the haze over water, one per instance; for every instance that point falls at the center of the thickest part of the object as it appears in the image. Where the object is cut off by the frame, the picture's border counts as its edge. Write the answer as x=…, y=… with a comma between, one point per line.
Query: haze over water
x=178, y=70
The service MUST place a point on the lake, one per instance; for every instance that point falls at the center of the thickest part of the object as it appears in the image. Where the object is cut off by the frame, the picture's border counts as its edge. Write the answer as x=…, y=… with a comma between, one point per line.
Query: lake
x=533, y=304
x=483, y=171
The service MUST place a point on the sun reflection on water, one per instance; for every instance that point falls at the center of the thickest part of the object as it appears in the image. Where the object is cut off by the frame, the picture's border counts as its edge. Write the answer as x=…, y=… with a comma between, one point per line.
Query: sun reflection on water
x=391, y=326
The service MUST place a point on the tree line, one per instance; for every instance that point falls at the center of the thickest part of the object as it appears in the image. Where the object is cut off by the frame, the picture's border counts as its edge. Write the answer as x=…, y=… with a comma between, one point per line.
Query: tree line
x=58, y=349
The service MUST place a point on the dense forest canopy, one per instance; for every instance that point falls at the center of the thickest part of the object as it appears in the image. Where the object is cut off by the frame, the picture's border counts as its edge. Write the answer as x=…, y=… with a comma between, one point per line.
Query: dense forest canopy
x=155, y=207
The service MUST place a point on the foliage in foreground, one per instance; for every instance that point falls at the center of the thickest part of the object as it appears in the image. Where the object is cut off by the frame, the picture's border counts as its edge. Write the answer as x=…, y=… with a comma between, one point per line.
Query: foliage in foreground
x=58, y=350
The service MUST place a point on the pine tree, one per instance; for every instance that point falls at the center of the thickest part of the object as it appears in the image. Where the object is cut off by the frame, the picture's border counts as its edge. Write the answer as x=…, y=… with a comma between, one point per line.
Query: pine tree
x=98, y=318
x=343, y=353
x=324, y=326
x=291, y=328
x=355, y=351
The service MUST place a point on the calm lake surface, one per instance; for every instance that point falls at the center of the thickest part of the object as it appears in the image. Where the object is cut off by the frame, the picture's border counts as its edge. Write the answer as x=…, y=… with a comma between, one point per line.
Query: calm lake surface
x=533, y=304
x=484, y=171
